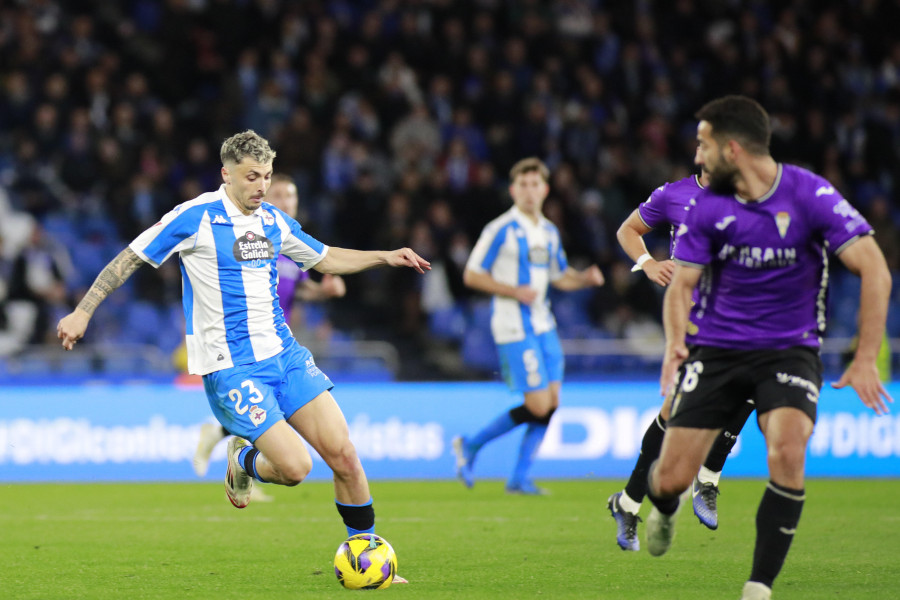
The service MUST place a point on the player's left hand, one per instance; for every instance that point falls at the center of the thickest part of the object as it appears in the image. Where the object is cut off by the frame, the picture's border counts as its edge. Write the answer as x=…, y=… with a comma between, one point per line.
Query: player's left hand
x=404, y=257
x=593, y=276
x=864, y=378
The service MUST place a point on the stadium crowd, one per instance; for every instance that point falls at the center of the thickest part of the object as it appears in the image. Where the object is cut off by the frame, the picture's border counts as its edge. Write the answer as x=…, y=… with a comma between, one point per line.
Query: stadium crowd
x=399, y=120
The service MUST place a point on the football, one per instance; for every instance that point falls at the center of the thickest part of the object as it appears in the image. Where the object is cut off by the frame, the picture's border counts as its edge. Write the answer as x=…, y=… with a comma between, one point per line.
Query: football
x=365, y=561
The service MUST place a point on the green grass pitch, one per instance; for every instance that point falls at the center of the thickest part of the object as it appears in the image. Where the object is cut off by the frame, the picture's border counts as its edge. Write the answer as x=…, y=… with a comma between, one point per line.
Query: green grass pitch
x=160, y=541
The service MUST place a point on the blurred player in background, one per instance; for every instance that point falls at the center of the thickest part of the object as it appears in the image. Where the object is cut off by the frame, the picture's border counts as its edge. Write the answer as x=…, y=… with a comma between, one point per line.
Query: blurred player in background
x=516, y=258
x=261, y=385
x=758, y=251
x=293, y=283
x=667, y=206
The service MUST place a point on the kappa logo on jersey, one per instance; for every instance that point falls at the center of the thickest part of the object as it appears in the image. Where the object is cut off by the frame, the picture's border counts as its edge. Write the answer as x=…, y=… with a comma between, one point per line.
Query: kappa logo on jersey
x=721, y=225
x=782, y=221
x=220, y=220
x=825, y=190
x=253, y=248
x=257, y=415
x=539, y=255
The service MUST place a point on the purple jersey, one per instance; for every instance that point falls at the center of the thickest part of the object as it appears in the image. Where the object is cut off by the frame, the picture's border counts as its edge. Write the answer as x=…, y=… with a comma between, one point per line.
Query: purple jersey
x=765, y=277
x=289, y=277
x=669, y=204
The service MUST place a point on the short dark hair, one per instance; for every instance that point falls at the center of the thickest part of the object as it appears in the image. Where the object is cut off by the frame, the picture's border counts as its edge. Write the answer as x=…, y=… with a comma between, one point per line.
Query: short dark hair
x=740, y=118
x=529, y=165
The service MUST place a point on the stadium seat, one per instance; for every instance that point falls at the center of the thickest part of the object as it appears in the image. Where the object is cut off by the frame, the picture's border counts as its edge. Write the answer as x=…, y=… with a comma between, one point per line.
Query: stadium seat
x=448, y=323
x=478, y=351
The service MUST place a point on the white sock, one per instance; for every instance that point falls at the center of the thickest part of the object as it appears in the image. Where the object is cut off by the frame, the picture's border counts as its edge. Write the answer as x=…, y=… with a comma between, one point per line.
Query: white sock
x=707, y=476
x=629, y=505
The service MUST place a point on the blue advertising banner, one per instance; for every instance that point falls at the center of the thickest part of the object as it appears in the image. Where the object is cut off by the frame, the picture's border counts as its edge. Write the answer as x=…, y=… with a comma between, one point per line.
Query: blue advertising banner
x=401, y=431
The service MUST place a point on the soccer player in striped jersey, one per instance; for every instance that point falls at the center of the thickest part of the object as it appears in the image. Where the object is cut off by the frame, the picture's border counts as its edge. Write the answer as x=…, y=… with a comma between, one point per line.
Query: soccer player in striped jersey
x=516, y=258
x=293, y=283
x=667, y=206
x=261, y=384
x=757, y=250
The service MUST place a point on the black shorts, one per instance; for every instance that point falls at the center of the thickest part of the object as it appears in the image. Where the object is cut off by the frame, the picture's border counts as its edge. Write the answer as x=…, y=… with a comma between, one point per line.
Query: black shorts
x=715, y=382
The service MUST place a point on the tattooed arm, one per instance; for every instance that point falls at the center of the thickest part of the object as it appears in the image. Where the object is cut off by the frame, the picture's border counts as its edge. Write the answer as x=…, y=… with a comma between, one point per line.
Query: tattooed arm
x=71, y=327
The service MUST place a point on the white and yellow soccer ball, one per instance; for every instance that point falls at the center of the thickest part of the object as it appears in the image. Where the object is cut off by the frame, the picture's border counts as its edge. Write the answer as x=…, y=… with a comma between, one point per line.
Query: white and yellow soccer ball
x=365, y=561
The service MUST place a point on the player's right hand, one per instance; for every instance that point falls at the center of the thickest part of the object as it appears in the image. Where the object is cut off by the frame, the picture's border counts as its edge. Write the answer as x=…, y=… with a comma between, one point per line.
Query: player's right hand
x=672, y=360
x=526, y=294
x=71, y=328
x=659, y=271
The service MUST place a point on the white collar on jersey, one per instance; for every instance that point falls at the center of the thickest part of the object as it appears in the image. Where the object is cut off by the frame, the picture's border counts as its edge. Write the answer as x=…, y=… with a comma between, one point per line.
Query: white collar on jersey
x=230, y=209
x=526, y=220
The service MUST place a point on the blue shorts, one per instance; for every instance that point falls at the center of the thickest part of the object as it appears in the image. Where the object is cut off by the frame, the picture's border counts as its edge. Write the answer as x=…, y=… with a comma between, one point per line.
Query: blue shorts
x=533, y=363
x=248, y=399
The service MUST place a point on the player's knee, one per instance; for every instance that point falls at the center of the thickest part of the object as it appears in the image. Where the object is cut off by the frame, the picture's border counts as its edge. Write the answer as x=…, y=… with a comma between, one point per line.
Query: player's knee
x=343, y=460
x=538, y=413
x=787, y=454
x=669, y=481
x=296, y=470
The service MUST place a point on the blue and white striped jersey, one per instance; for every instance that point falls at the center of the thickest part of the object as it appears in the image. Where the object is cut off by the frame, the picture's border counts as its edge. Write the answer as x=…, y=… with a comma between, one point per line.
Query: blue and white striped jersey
x=516, y=251
x=229, y=276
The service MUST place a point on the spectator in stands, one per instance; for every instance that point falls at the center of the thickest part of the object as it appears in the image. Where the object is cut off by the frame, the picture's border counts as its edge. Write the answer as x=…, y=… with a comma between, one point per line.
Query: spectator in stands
x=38, y=276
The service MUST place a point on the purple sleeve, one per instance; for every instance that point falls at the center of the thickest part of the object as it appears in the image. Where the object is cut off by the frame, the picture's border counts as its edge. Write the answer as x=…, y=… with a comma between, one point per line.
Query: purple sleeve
x=653, y=209
x=837, y=220
x=693, y=242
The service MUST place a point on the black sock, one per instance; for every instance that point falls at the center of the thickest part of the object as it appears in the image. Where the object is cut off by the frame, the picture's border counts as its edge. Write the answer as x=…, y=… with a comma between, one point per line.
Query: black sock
x=667, y=506
x=521, y=414
x=715, y=460
x=247, y=461
x=357, y=517
x=776, y=521
x=636, y=488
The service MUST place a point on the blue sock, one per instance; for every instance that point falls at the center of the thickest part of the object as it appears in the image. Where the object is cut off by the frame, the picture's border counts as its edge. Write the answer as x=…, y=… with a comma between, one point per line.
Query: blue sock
x=358, y=518
x=502, y=424
x=534, y=434
x=247, y=459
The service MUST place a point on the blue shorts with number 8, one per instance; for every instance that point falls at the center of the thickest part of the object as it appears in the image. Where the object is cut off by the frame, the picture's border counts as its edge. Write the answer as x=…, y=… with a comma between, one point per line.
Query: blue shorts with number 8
x=248, y=399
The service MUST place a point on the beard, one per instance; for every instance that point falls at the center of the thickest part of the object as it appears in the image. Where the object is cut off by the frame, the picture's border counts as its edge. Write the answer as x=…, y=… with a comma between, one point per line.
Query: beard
x=722, y=181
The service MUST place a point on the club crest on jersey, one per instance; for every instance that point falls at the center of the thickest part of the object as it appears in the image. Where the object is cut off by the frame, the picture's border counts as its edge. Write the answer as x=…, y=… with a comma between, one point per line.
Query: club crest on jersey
x=267, y=217
x=782, y=221
x=311, y=369
x=539, y=255
x=257, y=415
x=253, y=248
